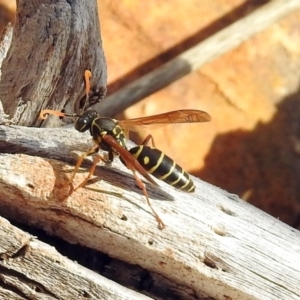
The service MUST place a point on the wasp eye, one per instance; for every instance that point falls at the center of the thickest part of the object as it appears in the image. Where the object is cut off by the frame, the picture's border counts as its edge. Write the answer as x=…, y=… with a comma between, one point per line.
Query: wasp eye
x=85, y=121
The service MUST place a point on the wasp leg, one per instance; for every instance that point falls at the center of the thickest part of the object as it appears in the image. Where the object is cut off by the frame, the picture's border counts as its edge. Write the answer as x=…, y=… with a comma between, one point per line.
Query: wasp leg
x=161, y=224
x=142, y=186
x=147, y=139
x=78, y=164
x=92, y=170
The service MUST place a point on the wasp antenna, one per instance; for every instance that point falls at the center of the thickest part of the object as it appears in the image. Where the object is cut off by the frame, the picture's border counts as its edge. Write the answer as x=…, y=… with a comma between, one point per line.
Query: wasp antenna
x=87, y=76
x=45, y=112
x=71, y=115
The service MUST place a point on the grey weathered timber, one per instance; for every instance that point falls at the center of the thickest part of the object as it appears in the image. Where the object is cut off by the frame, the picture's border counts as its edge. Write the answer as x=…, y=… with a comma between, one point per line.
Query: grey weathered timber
x=213, y=244
x=31, y=269
x=53, y=43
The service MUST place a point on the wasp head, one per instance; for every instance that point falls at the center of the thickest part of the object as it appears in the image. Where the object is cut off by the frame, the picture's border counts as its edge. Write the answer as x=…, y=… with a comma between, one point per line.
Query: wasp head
x=85, y=120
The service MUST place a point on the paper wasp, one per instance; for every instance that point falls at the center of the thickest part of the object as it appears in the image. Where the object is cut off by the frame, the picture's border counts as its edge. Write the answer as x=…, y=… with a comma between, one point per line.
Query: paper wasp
x=110, y=135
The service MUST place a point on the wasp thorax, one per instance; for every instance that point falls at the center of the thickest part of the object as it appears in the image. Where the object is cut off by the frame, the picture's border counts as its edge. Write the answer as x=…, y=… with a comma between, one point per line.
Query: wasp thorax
x=85, y=120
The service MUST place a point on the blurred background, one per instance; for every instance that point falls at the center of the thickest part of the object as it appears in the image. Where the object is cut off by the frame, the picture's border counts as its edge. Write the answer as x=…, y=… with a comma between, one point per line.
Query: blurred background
x=252, y=145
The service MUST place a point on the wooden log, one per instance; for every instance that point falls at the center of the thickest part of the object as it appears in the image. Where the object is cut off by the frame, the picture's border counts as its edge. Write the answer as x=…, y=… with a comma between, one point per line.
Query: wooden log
x=31, y=269
x=53, y=43
x=197, y=56
x=214, y=244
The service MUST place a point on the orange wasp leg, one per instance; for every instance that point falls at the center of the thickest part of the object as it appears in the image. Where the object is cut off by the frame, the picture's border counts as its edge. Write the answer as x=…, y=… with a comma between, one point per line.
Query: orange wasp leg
x=92, y=170
x=161, y=224
x=78, y=164
x=143, y=187
x=147, y=139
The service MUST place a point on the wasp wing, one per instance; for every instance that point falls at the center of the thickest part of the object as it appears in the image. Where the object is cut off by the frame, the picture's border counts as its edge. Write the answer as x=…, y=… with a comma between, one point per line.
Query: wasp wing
x=129, y=160
x=171, y=117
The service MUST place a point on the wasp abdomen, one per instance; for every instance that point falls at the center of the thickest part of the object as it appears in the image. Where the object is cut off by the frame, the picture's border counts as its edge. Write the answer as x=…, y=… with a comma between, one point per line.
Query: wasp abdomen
x=163, y=167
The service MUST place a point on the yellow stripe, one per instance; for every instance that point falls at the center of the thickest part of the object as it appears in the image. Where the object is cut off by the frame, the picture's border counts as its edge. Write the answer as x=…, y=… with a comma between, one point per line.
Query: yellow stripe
x=176, y=181
x=136, y=155
x=192, y=187
x=117, y=131
x=94, y=124
x=102, y=133
x=158, y=164
x=182, y=187
x=169, y=173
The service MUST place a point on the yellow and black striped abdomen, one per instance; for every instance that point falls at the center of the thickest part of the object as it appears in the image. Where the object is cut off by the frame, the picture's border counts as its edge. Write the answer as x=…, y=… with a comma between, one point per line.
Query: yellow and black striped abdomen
x=163, y=167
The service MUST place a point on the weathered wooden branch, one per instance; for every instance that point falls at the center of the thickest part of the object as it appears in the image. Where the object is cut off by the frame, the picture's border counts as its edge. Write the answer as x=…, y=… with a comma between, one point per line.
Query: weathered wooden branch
x=30, y=269
x=53, y=43
x=194, y=58
x=214, y=243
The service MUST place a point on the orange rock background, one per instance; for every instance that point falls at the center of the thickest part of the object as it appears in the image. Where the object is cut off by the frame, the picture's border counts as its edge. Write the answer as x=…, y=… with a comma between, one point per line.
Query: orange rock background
x=252, y=145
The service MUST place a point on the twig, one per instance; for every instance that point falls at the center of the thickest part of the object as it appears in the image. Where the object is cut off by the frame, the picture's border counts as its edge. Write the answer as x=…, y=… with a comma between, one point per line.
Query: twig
x=197, y=56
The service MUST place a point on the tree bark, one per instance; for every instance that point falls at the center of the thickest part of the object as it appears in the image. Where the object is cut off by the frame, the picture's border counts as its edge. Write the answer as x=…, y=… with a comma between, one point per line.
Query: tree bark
x=53, y=43
x=214, y=244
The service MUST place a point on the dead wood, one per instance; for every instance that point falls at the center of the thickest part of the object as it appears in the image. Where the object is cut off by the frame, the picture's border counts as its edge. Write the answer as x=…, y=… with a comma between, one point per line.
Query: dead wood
x=53, y=43
x=214, y=243
x=30, y=269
